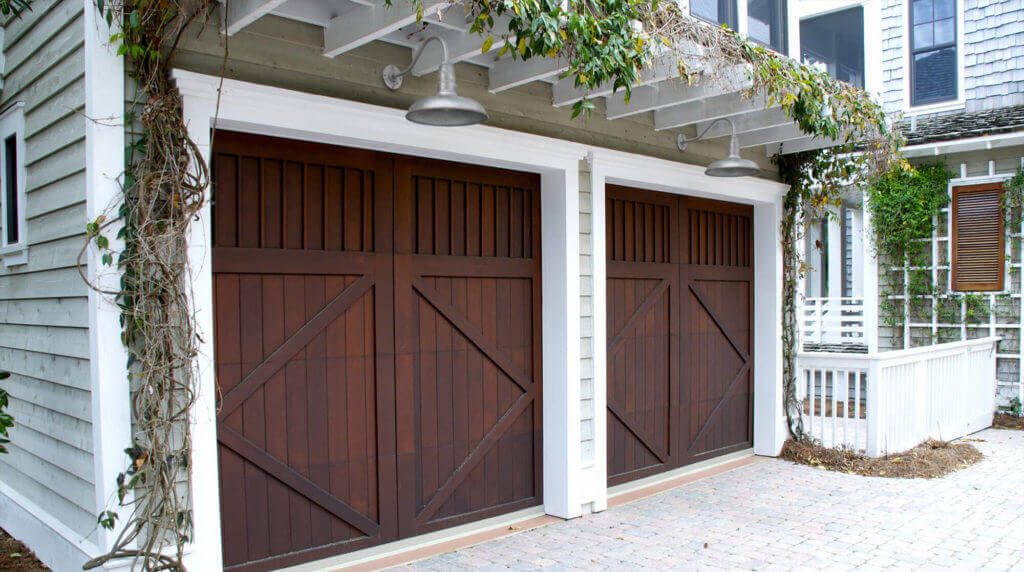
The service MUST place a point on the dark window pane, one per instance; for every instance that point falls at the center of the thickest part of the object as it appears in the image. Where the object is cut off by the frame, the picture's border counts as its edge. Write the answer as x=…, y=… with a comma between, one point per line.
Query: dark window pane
x=11, y=188
x=943, y=32
x=835, y=43
x=715, y=11
x=922, y=11
x=923, y=35
x=934, y=76
x=933, y=71
x=766, y=23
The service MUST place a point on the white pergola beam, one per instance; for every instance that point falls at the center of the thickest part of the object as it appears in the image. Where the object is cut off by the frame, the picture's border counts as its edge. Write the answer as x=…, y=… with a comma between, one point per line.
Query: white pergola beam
x=724, y=105
x=655, y=97
x=443, y=19
x=241, y=13
x=745, y=122
x=805, y=144
x=770, y=135
x=309, y=11
x=509, y=73
x=366, y=24
x=565, y=91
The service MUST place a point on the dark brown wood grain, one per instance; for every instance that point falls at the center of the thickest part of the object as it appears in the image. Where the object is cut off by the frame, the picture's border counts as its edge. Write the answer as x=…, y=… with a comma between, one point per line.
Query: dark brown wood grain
x=377, y=346
x=680, y=330
x=978, y=245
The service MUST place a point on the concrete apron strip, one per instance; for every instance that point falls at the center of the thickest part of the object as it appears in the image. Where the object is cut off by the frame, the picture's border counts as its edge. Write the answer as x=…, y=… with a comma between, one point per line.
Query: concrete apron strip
x=432, y=543
x=440, y=542
x=650, y=486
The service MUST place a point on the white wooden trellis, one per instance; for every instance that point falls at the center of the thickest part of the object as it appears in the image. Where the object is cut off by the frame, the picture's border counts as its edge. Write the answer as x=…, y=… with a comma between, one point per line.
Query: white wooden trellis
x=941, y=245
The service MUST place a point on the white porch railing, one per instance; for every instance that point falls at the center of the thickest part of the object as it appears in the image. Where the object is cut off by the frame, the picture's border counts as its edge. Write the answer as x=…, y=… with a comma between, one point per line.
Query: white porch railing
x=891, y=401
x=829, y=321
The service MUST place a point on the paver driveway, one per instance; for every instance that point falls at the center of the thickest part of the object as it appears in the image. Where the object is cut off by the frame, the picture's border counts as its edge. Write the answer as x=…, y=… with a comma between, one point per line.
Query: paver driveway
x=775, y=514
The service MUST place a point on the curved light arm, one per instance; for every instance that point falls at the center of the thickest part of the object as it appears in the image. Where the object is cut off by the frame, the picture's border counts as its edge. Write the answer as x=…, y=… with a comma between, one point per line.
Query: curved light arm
x=393, y=75
x=682, y=140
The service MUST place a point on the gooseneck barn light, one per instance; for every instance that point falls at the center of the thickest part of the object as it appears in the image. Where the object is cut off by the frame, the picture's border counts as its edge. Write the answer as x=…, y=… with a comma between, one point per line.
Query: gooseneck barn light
x=445, y=108
x=733, y=165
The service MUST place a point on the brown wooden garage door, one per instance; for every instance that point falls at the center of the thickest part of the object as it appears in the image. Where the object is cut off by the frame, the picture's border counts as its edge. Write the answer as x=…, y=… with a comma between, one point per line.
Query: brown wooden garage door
x=377, y=344
x=680, y=331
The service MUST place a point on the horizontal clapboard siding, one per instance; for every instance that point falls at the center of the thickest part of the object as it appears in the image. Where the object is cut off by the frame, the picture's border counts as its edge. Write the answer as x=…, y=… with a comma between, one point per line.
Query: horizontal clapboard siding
x=44, y=319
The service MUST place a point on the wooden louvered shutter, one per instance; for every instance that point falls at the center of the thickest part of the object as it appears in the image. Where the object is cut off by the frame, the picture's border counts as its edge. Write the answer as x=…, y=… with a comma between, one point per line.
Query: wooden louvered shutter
x=978, y=244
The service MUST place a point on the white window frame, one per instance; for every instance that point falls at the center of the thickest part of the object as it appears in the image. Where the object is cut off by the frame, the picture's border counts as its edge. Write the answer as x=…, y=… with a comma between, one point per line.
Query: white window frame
x=961, y=80
x=12, y=123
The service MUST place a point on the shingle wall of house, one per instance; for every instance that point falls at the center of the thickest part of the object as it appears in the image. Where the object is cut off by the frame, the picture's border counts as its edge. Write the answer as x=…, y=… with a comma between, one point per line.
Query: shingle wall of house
x=993, y=53
x=1001, y=315
x=43, y=303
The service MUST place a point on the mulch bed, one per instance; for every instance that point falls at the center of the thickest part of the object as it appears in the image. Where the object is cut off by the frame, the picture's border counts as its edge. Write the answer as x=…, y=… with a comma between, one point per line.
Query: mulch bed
x=1007, y=421
x=16, y=556
x=926, y=461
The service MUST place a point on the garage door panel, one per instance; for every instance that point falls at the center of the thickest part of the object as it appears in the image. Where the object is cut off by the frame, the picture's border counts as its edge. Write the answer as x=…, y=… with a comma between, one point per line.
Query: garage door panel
x=471, y=383
x=679, y=328
x=643, y=361
x=315, y=201
x=379, y=359
x=448, y=216
x=310, y=429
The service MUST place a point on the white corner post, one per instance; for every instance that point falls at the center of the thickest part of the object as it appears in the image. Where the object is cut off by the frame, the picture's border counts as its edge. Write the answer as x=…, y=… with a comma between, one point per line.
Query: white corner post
x=598, y=472
x=769, y=419
x=205, y=551
x=869, y=268
x=857, y=251
x=564, y=488
x=108, y=358
x=834, y=255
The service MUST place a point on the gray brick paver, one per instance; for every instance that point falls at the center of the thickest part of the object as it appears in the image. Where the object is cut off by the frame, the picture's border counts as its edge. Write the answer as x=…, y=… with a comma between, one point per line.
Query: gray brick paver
x=776, y=515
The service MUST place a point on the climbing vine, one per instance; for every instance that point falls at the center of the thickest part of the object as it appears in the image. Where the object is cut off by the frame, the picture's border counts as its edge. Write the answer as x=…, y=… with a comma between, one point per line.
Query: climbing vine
x=164, y=186
x=905, y=203
x=1013, y=197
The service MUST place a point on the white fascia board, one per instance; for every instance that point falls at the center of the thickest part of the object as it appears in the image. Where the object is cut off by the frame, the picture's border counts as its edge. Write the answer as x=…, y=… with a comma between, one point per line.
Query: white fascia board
x=962, y=145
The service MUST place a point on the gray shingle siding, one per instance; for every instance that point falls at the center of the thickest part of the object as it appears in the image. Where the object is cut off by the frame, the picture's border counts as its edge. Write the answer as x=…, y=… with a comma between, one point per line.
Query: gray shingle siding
x=993, y=50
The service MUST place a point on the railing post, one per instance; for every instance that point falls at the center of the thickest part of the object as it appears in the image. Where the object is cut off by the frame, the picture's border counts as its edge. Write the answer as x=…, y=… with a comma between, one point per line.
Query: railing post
x=870, y=281
x=876, y=409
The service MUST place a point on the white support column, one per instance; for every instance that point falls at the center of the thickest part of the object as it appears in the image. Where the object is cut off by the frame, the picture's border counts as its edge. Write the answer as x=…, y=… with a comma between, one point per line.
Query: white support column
x=769, y=419
x=869, y=266
x=857, y=255
x=564, y=487
x=875, y=413
x=815, y=259
x=834, y=256
x=599, y=474
x=104, y=164
x=205, y=552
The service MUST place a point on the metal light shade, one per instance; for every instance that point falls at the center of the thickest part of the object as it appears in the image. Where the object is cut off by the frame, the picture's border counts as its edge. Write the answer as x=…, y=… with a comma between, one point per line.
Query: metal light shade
x=446, y=108
x=733, y=165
